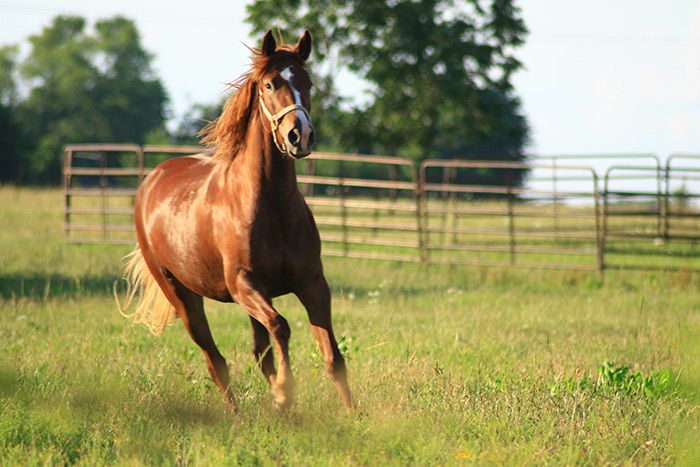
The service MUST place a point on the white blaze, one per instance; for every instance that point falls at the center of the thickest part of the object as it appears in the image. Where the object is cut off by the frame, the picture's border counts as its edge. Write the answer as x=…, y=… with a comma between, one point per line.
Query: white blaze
x=288, y=75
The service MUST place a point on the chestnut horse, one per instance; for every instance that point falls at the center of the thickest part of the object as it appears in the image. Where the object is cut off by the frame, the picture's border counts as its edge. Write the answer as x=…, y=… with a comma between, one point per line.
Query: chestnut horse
x=235, y=228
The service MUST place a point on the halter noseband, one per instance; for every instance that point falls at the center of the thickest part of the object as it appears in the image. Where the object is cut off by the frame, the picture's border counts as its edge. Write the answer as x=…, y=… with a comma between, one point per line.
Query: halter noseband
x=276, y=119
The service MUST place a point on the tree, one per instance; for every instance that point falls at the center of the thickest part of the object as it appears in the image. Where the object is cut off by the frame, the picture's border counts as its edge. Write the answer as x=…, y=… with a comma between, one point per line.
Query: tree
x=195, y=120
x=11, y=142
x=131, y=97
x=58, y=109
x=86, y=88
x=8, y=86
x=440, y=70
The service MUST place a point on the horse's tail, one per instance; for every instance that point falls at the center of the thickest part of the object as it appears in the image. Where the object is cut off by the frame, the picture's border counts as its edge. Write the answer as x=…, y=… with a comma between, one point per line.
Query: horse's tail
x=153, y=308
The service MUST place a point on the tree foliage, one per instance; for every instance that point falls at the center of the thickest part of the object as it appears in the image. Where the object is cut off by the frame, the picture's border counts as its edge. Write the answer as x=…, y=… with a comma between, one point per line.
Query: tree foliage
x=439, y=72
x=194, y=121
x=84, y=86
x=10, y=140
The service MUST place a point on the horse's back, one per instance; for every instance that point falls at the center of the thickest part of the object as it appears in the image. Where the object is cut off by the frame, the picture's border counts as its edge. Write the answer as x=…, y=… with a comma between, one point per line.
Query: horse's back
x=181, y=168
x=173, y=178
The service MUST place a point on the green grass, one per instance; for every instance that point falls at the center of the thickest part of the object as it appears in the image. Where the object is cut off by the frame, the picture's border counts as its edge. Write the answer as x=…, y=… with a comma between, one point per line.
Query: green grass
x=449, y=366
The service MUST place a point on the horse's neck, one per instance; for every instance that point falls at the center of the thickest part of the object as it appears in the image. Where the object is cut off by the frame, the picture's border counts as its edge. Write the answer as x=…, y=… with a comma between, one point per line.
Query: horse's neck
x=267, y=171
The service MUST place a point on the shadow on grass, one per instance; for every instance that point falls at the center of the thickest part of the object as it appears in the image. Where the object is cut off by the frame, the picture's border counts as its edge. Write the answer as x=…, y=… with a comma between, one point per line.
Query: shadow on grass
x=55, y=285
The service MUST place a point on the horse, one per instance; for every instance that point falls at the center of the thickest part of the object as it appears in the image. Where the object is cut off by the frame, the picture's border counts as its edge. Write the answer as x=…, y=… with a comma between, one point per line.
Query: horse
x=234, y=227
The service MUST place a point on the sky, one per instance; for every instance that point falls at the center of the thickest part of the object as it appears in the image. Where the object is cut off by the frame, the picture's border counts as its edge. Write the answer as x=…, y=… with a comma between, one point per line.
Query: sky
x=600, y=77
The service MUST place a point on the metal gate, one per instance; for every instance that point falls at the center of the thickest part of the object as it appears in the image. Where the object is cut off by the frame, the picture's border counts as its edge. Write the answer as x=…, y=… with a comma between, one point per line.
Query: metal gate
x=639, y=215
x=99, y=186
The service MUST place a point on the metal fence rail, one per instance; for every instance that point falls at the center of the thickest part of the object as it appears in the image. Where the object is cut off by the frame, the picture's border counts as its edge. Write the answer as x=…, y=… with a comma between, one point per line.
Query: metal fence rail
x=515, y=226
x=640, y=214
x=375, y=216
x=100, y=182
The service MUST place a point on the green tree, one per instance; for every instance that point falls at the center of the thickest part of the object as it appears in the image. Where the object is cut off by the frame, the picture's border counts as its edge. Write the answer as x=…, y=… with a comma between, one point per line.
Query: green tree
x=11, y=141
x=8, y=64
x=196, y=118
x=59, y=108
x=440, y=70
x=86, y=88
x=132, y=99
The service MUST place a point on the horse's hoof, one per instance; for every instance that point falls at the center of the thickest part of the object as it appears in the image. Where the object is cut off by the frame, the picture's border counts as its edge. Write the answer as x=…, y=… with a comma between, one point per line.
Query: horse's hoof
x=283, y=403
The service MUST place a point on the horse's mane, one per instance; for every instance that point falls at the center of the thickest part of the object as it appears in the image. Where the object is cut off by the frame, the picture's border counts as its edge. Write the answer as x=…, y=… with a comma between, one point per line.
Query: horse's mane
x=226, y=135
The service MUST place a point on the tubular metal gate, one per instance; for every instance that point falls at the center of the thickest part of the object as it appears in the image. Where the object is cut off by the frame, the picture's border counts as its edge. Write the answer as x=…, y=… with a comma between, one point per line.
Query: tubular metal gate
x=99, y=185
x=638, y=216
x=510, y=225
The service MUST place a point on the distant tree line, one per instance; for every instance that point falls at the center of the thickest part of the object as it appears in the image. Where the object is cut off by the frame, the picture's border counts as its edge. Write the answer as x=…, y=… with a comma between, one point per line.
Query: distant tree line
x=439, y=74
x=75, y=86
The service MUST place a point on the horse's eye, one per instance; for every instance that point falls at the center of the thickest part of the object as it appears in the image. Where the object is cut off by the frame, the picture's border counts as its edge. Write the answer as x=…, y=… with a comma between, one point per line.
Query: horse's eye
x=268, y=86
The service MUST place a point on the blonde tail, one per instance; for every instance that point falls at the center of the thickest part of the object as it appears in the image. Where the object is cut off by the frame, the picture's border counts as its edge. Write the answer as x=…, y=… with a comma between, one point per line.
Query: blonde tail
x=153, y=309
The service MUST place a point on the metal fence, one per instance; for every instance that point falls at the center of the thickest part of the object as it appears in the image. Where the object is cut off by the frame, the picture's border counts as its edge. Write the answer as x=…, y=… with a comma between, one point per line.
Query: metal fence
x=641, y=214
x=100, y=182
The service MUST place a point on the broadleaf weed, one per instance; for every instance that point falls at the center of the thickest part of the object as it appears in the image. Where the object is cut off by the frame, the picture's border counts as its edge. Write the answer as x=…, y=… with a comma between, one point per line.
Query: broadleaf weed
x=618, y=381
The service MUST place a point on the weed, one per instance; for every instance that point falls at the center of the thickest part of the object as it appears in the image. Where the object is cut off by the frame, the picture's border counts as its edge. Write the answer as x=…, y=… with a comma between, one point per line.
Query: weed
x=616, y=380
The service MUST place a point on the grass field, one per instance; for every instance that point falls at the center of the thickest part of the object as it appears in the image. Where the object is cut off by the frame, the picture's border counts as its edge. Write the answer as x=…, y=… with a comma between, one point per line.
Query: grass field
x=449, y=366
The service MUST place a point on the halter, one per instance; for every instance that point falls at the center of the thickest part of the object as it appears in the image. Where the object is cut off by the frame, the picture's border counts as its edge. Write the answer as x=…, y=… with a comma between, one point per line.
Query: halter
x=276, y=119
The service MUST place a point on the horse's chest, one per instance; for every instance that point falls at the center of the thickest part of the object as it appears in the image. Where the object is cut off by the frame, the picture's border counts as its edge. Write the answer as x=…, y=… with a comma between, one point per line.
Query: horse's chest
x=280, y=251
x=271, y=242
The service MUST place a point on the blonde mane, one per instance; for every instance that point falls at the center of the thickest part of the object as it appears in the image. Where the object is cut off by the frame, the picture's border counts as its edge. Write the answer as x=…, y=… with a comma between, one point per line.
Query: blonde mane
x=226, y=135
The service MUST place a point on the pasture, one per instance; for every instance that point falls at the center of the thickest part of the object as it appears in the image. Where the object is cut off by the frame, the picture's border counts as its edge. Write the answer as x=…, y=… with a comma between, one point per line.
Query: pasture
x=449, y=366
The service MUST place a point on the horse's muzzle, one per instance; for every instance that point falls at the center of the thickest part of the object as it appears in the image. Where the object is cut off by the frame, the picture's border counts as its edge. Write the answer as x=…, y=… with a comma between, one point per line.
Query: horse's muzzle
x=299, y=140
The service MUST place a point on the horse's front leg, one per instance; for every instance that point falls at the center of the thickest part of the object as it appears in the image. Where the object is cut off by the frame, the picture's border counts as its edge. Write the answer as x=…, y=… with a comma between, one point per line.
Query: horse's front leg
x=248, y=293
x=316, y=298
x=262, y=350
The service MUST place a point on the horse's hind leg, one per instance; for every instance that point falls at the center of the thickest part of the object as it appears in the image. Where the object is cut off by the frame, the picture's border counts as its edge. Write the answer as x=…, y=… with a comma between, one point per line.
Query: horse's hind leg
x=198, y=327
x=189, y=306
x=317, y=300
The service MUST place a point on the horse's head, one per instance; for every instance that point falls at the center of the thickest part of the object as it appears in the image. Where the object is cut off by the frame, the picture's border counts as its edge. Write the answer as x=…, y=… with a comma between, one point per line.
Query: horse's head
x=284, y=95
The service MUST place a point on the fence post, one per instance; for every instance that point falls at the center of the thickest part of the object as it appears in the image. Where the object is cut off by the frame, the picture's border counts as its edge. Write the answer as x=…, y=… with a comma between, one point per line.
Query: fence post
x=604, y=230
x=343, y=208
x=597, y=214
x=309, y=170
x=511, y=217
x=555, y=199
x=667, y=207
x=67, y=164
x=421, y=206
x=103, y=192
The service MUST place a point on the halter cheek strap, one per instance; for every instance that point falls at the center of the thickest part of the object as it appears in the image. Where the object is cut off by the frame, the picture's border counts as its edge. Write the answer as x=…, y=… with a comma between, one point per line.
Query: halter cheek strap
x=276, y=119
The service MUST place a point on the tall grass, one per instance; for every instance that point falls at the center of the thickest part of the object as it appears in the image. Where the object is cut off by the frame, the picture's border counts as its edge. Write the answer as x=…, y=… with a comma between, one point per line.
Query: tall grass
x=449, y=366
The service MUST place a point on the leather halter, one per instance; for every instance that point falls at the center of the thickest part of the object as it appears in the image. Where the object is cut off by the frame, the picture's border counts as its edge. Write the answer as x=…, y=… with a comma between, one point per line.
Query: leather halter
x=276, y=119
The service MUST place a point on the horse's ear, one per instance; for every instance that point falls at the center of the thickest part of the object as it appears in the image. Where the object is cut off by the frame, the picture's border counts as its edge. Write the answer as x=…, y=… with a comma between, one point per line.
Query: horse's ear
x=269, y=45
x=304, y=45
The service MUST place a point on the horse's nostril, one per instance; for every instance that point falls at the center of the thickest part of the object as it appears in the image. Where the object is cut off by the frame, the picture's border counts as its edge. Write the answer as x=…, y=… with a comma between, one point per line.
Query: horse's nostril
x=294, y=137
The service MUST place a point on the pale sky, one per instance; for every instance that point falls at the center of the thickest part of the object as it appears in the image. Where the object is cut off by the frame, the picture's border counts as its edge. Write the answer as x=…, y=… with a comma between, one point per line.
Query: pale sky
x=601, y=77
